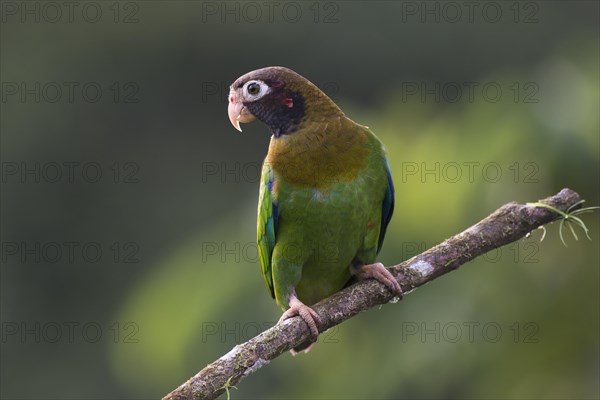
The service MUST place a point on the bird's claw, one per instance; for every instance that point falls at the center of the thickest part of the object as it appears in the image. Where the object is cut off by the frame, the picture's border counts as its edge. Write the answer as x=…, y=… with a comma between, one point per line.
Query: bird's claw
x=305, y=312
x=381, y=274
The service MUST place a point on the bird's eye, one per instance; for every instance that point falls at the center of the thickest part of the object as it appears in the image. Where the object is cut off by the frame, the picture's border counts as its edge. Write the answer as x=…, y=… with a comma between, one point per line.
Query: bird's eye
x=253, y=88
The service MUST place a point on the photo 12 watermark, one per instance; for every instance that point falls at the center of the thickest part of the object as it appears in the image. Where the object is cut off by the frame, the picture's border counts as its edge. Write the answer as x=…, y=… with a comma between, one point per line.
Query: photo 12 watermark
x=469, y=92
x=69, y=332
x=69, y=92
x=525, y=251
x=469, y=332
x=69, y=252
x=70, y=12
x=248, y=252
x=469, y=172
x=470, y=12
x=271, y=12
x=69, y=172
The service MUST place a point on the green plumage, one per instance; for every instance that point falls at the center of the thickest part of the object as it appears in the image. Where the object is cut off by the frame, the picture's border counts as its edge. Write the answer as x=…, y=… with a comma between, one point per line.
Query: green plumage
x=326, y=194
x=321, y=227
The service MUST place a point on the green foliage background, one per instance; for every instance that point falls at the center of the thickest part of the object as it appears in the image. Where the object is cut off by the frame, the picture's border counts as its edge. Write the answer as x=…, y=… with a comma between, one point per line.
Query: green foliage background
x=190, y=305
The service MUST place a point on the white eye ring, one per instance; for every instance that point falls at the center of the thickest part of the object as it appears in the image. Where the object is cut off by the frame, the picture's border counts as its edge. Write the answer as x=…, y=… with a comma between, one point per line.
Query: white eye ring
x=263, y=89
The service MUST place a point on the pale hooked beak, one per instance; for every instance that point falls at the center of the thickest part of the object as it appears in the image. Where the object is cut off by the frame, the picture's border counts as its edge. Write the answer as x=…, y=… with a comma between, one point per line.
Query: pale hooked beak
x=238, y=112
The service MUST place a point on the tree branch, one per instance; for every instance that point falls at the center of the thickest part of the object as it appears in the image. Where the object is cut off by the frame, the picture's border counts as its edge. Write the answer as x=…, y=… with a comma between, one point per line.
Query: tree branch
x=509, y=223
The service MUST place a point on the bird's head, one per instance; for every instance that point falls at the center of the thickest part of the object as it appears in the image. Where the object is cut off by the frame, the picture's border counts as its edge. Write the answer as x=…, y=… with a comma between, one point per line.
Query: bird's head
x=280, y=98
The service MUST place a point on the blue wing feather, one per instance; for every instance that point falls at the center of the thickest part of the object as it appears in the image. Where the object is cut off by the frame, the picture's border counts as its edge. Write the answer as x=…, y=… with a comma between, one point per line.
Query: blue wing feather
x=387, y=208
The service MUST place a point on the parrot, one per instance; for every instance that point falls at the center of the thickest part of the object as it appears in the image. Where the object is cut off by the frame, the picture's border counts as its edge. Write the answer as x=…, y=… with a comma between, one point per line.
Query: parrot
x=326, y=193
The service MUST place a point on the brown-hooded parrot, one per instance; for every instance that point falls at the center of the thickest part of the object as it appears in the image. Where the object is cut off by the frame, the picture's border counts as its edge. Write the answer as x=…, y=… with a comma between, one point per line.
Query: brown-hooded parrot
x=326, y=193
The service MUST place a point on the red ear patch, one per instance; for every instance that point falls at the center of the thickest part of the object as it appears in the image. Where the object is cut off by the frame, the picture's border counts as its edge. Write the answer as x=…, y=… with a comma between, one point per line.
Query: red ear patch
x=288, y=102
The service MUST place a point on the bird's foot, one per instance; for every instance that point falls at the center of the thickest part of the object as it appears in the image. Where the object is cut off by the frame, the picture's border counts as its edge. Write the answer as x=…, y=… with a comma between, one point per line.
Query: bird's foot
x=381, y=274
x=305, y=312
x=309, y=316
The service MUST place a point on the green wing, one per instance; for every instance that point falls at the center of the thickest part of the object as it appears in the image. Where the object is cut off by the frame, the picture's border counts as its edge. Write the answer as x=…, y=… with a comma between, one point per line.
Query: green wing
x=267, y=226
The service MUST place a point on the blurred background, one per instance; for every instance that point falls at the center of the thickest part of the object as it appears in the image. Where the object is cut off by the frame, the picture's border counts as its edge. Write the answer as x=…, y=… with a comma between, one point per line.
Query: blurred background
x=128, y=201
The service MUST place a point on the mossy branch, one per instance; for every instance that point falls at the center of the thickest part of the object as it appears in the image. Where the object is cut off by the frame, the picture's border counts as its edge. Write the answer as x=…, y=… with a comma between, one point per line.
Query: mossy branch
x=509, y=223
